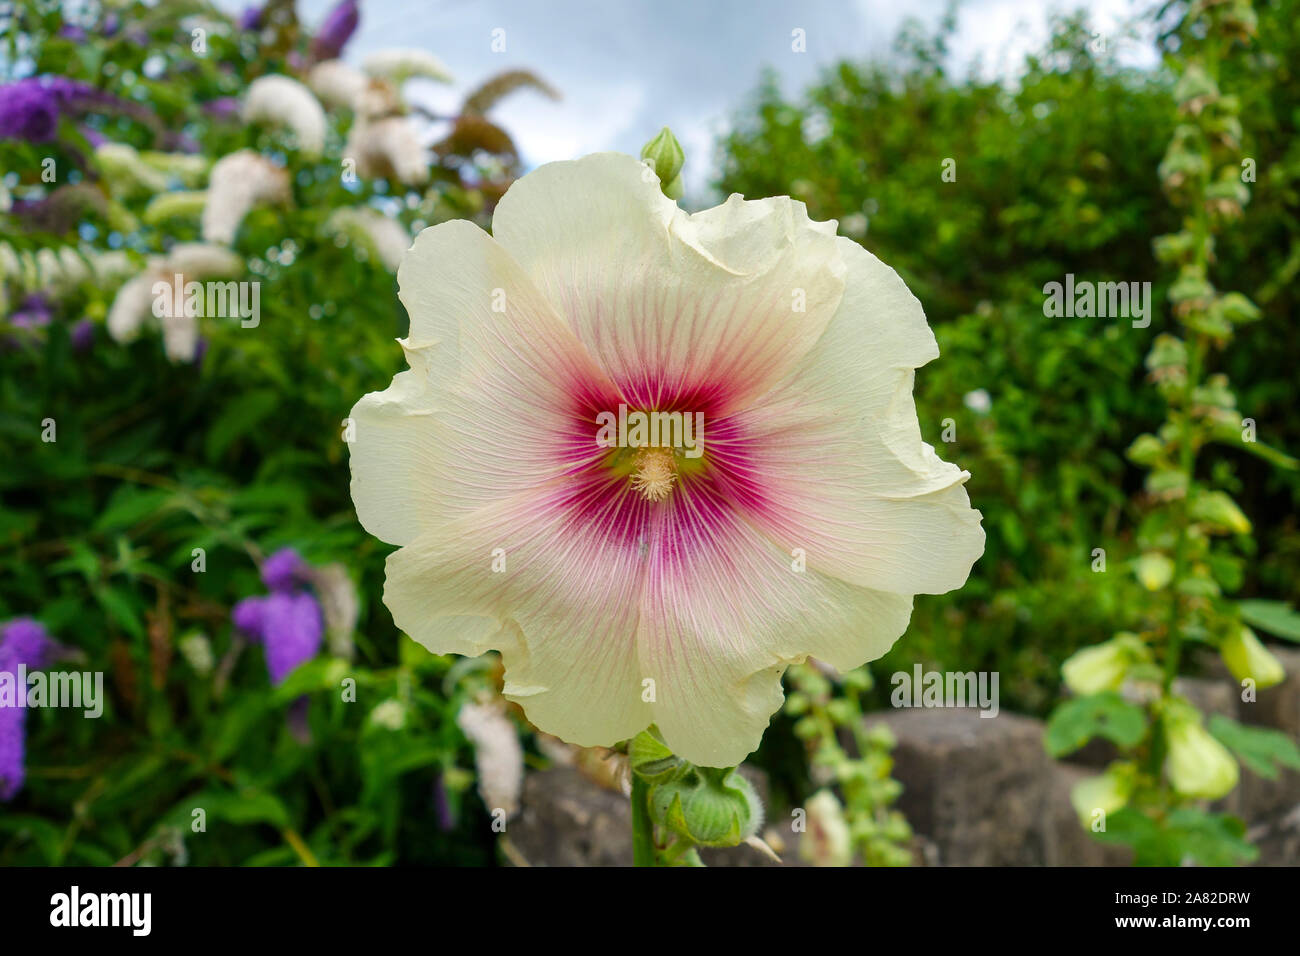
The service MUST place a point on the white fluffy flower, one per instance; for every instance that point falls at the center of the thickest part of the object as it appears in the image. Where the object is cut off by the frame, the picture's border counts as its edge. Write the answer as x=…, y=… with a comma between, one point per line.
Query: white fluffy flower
x=239, y=182
x=133, y=306
x=400, y=64
x=388, y=148
x=498, y=756
x=282, y=101
x=384, y=238
x=338, y=84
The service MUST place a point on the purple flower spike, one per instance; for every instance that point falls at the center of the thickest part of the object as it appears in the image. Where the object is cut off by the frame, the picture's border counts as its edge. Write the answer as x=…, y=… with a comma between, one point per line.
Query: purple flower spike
x=13, y=733
x=28, y=111
x=340, y=23
x=82, y=335
x=248, y=616
x=25, y=641
x=224, y=107
x=292, y=628
x=284, y=571
x=251, y=18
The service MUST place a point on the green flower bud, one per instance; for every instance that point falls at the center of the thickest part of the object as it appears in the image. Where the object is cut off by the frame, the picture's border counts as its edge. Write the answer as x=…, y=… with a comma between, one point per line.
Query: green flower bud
x=1104, y=666
x=666, y=158
x=1197, y=765
x=1154, y=570
x=1146, y=450
x=708, y=807
x=1108, y=792
x=651, y=760
x=1248, y=659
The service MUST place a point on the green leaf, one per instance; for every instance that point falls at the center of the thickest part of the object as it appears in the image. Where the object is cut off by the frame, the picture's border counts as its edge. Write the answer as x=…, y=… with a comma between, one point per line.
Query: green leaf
x=130, y=505
x=243, y=807
x=1276, y=617
x=1106, y=715
x=122, y=607
x=1211, y=839
x=1263, y=750
x=1186, y=834
x=237, y=419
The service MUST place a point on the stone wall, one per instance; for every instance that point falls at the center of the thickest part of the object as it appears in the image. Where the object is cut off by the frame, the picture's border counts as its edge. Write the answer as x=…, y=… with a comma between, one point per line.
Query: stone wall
x=977, y=791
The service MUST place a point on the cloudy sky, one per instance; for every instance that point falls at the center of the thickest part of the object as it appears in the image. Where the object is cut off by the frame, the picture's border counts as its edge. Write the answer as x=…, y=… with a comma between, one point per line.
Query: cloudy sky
x=627, y=67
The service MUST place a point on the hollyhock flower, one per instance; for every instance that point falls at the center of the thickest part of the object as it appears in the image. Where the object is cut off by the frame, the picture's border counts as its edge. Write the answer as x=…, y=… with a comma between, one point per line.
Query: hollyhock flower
x=340, y=23
x=238, y=182
x=284, y=102
x=24, y=642
x=400, y=64
x=629, y=586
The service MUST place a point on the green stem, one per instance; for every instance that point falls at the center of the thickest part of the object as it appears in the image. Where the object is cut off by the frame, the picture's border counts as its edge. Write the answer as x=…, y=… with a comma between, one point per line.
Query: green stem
x=643, y=844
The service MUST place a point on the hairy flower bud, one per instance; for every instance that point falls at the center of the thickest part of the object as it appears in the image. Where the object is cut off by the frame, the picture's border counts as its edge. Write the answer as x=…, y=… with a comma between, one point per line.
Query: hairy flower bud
x=708, y=807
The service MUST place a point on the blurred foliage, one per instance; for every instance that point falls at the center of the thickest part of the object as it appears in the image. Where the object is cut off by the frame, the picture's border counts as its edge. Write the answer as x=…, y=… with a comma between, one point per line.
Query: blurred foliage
x=239, y=453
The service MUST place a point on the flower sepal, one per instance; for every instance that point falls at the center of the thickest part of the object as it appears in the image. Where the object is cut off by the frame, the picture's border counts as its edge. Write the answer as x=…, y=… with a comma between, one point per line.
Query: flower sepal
x=708, y=807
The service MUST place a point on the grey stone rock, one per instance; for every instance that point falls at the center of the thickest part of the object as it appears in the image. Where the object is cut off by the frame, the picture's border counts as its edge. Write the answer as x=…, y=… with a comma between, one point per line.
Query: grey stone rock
x=976, y=788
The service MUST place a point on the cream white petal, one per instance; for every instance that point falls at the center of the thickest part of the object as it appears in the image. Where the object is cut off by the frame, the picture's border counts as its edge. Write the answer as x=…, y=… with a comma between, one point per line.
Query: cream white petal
x=663, y=300
x=847, y=476
x=493, y=373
